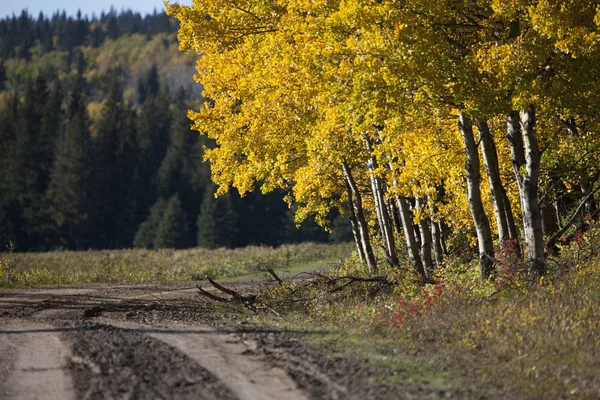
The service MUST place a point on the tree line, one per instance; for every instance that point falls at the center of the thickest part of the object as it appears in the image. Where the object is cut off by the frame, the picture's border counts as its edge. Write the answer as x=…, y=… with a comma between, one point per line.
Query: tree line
x=59, y=32
x=425, y=121
x=131, y=175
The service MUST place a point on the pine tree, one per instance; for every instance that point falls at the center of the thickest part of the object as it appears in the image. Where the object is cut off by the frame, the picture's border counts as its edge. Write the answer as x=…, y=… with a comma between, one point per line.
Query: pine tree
x=172, y=229
x=30, y=161
x=69, y=189
x=2, y=75
x=182, y=170
x=217, y=222
x=108, y=188
x=8, y=137
x=152, y=132
x=144, y=237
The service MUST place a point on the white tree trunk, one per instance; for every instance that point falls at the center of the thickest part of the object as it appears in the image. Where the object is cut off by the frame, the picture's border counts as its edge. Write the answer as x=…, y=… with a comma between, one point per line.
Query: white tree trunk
x=354, y=224
x=412, y=246
x=426, y=240
x=383, y=216
x=363, y=228
x=482, y=224
x=532, y=217
x=502, y=208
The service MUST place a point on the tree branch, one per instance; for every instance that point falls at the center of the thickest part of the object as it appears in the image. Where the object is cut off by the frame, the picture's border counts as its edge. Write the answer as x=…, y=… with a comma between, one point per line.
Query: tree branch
x=552, y=241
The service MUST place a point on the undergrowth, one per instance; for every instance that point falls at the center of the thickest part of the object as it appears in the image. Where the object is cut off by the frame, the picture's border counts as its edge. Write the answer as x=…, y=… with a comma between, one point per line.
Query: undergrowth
x=511, y=335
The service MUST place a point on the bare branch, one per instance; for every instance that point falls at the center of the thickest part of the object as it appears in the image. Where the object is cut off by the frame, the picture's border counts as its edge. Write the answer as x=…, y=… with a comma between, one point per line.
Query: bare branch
x=212, y=296
x=274, y=275
x=552, y=241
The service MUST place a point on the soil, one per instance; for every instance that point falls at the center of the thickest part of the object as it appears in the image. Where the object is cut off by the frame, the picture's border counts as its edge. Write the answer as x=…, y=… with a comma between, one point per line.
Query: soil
x=166, y=341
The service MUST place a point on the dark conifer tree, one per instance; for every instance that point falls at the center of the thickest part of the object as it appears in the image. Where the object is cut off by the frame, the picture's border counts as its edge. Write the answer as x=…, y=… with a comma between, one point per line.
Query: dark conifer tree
x=69, y=191
x=218, y=221
x=108, y=188
x=29, y=163
x=182, y=170
x=152, y=137
x=9, y=209
x=145, y=235
x=2, y=75
x=172, y=229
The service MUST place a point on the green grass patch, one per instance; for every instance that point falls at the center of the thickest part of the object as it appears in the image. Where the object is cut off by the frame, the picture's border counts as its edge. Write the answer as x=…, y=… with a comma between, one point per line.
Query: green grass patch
x=19, y=270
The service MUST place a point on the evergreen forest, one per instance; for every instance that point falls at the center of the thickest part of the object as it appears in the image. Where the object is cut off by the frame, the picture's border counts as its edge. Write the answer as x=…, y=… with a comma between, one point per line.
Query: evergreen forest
x=97, y=150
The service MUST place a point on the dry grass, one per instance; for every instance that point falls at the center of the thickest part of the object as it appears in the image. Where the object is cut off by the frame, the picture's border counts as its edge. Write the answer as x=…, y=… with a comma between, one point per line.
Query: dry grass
x=508, y=338
x=138, y=266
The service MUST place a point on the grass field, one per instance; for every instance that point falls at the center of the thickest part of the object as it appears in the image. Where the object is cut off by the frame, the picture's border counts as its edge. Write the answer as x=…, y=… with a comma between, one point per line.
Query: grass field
x=144, y=266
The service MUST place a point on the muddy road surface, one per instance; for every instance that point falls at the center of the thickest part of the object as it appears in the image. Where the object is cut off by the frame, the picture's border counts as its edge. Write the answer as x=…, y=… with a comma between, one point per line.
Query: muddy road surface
x=166, y=342
x=125, y=342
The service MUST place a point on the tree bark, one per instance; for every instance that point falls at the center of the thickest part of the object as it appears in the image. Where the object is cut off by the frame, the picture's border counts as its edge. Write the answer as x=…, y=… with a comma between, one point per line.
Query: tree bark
x=438, y=248
x=526, y=158
x=409, y=235
x=426, y=240
x=504, y=216
x=383, y=216
x=354, y=224
x=395, y=216
x=482, y=224
x=363, y=228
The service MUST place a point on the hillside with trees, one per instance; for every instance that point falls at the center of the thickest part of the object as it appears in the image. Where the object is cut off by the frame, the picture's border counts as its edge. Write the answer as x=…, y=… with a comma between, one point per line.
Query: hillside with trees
x=97, y=150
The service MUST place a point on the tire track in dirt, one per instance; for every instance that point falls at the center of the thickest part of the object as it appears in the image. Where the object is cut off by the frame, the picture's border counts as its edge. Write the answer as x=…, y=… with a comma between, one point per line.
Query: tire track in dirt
x=38, y=362
x=248, y=377
x=114, y=363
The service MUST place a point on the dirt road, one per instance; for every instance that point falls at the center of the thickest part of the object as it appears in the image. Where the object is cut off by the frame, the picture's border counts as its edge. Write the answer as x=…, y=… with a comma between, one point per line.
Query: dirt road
x=166, y=342
x=127, y=342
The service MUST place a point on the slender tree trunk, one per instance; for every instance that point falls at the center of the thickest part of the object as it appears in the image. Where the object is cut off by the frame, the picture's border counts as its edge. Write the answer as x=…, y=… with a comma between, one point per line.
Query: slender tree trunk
x=383, y=216
x=395, y=216
x=409, y=235
x=445, y=232
x=482, y=224
x=354, y=224
x=363, y=228
x=436, y=232
x=502, y=207
x=526, y=164
x=532, y=217
x=405, y=221
x=426, y=240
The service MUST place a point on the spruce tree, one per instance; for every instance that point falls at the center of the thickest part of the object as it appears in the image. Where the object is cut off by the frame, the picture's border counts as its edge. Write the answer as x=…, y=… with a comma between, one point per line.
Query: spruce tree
x=146, y=233
x=217, y=222
x=182, y=170
x=69, y=189
x=107, y=189
x=2, y=75
x=172, y=229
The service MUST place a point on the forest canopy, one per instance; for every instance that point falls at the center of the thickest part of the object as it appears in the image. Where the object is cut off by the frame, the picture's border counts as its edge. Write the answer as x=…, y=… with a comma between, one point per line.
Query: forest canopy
x=426, y=120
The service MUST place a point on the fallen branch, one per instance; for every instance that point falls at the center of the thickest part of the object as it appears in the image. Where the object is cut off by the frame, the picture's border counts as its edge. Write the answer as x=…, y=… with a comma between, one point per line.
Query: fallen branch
x=212, y=296
x=274, y=275
x=247, y=301
x=222, y=288
x=331, y=285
